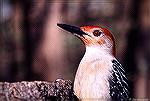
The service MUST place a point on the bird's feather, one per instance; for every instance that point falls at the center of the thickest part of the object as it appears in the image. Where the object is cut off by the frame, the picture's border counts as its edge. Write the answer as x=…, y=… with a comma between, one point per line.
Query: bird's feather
x=118, y=83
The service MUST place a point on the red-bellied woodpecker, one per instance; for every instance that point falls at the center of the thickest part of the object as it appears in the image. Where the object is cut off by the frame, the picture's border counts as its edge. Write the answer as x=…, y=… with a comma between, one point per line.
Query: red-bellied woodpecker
x=99, y=76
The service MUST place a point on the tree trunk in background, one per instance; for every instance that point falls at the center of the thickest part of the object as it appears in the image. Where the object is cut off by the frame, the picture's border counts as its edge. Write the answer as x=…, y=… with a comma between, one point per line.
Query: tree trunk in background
x=137, y=54
x=143, y=54
x=18, y=69
x=51, y=49
x=7, y=43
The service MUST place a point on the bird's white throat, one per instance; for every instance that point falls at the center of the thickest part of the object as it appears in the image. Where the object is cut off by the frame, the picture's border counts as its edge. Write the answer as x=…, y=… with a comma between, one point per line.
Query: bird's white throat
x=97, y=52
x=96, y=62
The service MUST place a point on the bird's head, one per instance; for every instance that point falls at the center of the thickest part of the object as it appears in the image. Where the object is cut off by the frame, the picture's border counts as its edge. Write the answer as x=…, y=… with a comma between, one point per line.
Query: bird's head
x=93, y=36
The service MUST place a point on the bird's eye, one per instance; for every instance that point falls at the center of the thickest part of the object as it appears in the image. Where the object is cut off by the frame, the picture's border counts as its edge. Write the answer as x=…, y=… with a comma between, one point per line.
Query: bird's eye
x=97, y=33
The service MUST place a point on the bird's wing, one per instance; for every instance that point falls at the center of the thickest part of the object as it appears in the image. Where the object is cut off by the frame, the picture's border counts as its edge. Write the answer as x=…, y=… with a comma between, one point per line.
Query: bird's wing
x=118, y=82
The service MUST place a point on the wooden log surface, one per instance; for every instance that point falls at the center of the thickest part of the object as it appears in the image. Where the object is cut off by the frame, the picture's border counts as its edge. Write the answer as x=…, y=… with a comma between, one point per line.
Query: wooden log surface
x=59, y=90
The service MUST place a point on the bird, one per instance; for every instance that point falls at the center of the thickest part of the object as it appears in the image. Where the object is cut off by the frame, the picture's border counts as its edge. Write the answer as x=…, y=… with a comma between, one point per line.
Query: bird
x=99, y=76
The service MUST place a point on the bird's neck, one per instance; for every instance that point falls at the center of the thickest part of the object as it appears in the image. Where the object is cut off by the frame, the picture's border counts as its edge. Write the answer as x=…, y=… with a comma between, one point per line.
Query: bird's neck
x=94, y=52
x=97, y=50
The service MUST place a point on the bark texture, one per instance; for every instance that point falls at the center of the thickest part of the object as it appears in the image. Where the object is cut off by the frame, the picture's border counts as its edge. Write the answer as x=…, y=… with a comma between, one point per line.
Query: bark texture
x=59, y=90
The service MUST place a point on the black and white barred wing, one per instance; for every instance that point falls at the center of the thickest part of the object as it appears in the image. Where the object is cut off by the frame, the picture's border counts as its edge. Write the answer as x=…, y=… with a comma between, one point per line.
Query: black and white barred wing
x=118, y=83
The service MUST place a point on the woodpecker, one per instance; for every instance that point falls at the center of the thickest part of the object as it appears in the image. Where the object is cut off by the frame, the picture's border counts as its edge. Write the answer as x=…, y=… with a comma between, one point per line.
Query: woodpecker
x=99, y=76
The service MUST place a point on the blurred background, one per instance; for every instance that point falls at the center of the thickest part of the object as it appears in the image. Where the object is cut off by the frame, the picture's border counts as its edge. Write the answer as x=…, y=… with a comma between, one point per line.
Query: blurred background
x=32, y=47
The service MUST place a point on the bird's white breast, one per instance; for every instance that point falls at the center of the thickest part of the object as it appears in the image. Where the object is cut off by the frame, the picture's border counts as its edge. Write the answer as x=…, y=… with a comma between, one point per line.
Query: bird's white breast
x=92, y=76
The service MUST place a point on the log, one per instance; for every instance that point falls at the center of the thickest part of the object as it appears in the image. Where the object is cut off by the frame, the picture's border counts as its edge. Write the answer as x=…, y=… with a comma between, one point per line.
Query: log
x=59, y=90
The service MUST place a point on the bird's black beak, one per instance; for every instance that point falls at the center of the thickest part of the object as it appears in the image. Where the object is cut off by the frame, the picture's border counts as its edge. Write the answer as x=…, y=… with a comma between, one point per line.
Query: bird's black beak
x=72, y=29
